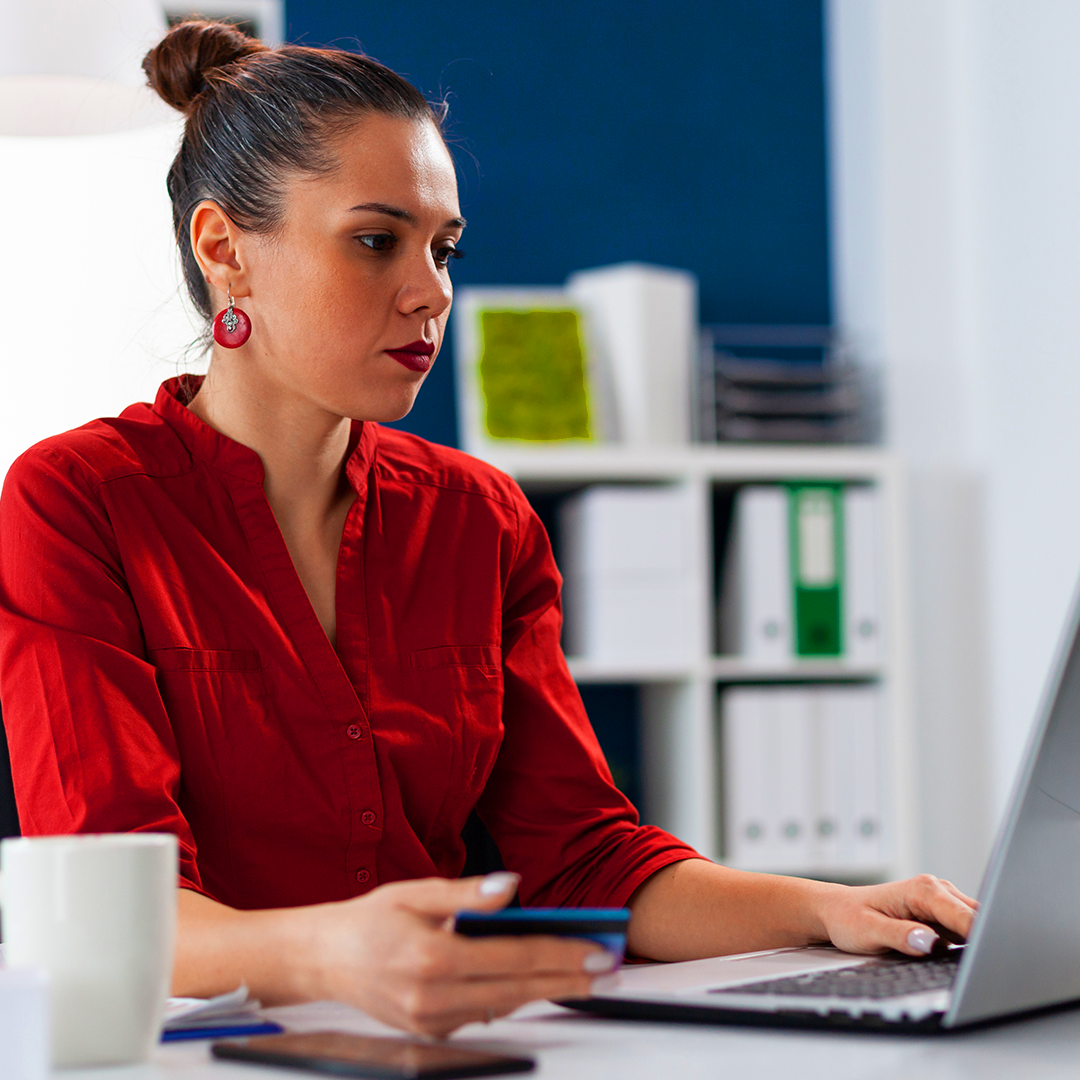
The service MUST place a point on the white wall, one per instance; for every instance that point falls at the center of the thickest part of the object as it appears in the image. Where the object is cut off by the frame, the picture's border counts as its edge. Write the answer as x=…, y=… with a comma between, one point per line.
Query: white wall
x=955, y=164
x=1027, y=127
x=90, y=298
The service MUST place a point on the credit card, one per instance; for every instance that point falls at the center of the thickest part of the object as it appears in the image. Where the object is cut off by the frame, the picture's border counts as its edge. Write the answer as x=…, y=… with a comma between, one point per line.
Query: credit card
x=605, y=926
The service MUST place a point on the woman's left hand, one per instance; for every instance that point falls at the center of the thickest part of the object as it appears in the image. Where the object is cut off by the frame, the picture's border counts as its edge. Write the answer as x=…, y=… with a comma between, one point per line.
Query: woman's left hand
x=908, y=916
x=696, y=908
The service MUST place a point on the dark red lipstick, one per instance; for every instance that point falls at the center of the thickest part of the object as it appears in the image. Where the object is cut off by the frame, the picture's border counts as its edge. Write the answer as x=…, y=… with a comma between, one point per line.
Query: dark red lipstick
x=416, y=356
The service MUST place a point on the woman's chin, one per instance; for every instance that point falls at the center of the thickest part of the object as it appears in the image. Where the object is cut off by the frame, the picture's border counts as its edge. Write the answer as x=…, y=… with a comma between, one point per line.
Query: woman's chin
x=384, y=412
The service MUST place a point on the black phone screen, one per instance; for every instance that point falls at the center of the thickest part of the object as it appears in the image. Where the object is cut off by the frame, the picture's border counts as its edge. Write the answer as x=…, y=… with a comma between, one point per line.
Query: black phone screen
x=367, y=1055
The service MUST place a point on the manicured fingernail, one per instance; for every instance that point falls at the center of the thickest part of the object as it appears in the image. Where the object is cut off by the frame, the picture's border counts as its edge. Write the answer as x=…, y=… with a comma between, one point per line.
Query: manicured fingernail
x=499, y=883
x=922, y=940
x=596, y=963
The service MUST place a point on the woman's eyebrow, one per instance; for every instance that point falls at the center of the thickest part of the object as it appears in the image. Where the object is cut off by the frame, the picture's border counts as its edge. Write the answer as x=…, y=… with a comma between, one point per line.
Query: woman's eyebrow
x=403, y=215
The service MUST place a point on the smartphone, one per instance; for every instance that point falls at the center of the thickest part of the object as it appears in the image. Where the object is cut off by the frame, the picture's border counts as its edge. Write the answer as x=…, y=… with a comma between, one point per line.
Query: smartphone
x=371, y=1056
x=605, y=926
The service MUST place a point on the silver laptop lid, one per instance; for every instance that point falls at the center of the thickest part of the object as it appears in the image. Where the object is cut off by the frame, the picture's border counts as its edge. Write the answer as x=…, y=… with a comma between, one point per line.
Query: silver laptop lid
x=1024, y=951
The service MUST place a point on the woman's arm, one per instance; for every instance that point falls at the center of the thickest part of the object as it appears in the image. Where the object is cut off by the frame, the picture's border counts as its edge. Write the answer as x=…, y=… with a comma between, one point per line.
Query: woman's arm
x=390, y=952
x=696, y=908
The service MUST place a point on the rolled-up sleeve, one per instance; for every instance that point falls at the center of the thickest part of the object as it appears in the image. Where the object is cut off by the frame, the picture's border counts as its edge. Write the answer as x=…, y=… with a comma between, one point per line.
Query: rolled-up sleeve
x=550, y=802
x=92, y=748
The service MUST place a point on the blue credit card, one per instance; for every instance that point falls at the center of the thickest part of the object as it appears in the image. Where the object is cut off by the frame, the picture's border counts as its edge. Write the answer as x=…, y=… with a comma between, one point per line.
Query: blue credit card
x=605, y=926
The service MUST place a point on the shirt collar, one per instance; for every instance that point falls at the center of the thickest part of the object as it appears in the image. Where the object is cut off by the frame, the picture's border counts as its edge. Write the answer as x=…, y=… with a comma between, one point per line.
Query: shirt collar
x=232, y=457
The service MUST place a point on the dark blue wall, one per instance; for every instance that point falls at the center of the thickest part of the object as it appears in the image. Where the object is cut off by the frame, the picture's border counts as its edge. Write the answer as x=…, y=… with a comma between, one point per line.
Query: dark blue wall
x=689, y=133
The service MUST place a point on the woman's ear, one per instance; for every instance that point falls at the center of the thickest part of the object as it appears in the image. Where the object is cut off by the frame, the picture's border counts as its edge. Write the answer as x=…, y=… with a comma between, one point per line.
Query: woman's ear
x=218, y=247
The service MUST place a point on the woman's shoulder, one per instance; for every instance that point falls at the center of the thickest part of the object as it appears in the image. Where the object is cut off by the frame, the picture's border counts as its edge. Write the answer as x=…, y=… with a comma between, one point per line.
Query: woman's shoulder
x=409, y=459
x=133, y=443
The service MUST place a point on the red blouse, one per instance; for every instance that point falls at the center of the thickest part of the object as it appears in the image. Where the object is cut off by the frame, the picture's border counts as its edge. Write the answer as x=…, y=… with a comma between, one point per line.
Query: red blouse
x=162, y=668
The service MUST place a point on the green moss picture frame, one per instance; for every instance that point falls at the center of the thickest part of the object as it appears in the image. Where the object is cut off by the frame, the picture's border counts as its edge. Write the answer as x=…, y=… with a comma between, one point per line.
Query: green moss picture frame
x=524, y=369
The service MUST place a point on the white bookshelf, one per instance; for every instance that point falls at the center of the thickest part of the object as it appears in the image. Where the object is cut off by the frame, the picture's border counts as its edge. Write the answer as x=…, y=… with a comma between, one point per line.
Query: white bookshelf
x=680, y=724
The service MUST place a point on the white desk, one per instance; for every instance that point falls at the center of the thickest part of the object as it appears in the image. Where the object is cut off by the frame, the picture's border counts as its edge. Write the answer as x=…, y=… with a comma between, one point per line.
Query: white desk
x=573, y=1047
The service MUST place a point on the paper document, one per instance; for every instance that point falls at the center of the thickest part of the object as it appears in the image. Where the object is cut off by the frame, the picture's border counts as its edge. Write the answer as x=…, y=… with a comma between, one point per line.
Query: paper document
x=186, y=1011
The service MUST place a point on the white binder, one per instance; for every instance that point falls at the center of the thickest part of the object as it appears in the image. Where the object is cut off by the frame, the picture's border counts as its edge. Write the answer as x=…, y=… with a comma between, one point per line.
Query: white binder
x=792, y=779
x=749, y=842
x=803, y=779
x=836, y=757
x=862, y=583
x=767, y=778
x=869, y=826
x=832, y=769
x=851, y=786
x=756, y=599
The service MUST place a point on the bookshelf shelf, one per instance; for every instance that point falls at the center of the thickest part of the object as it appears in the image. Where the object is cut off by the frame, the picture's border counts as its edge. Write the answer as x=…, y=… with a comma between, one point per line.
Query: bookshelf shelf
x=680, y=730
x=723, y=669
x=739, y=464
x=733, y=669
x=592, y=671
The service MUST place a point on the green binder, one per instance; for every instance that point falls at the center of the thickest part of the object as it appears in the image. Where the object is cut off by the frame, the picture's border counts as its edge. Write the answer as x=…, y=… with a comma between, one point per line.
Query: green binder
x=815, y=517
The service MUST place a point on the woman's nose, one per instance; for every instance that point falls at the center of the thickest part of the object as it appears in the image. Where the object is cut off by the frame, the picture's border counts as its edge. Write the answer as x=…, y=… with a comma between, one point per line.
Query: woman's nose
x=426, y=286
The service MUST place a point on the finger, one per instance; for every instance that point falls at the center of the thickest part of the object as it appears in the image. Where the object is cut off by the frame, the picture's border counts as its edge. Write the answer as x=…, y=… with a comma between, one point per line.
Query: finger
x=971, y=903
x=932, y=901
x=441, y=897
x=439, y=1008
x=505, y=956
x=433, y=955
x=878, y=932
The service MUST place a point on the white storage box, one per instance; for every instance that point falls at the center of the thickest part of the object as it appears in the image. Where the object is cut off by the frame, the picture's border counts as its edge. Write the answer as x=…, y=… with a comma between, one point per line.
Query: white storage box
x=631, y=580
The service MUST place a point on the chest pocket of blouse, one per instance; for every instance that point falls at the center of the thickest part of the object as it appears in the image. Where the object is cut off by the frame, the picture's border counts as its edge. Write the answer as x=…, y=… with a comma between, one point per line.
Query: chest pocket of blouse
x=486, y=658
x=179, y=659
x=216, y=699
x=211, y=694
x=460, y=688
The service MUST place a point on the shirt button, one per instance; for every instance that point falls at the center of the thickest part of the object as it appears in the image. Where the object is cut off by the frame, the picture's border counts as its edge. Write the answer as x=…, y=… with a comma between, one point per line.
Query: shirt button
x=368, y=817
x=354, y=731
x=363, y=876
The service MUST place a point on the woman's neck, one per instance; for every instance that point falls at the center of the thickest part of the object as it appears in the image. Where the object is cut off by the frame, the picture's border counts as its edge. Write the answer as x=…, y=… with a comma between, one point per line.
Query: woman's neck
x=303, y=450
x=302, y=447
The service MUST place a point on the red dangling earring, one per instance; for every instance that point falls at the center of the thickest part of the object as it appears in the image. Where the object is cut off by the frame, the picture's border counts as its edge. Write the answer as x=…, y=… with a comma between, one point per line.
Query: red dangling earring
x=232, y=327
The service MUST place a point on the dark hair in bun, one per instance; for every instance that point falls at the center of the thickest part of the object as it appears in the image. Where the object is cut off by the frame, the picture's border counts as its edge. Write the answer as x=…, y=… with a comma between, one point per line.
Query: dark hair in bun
x=257, y=115
x=178, y=67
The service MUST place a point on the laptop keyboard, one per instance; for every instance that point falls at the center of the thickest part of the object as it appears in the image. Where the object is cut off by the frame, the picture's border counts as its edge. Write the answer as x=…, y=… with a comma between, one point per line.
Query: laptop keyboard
x=886, y=979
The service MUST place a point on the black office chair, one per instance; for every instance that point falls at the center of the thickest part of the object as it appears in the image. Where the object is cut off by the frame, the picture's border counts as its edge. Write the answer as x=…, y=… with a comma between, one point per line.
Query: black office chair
x=481, y=852
x=9, y=815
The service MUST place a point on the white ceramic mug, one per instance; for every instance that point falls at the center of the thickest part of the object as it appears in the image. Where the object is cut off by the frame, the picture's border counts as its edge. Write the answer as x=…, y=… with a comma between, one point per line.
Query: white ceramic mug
x=98, y=912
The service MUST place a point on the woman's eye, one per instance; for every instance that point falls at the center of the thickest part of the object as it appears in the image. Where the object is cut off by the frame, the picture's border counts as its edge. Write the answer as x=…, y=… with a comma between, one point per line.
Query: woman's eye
x=378, y=241
x=443, y=255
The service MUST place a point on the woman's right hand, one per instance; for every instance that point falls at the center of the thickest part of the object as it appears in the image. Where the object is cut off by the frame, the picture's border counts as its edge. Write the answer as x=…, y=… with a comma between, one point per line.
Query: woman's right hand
x=393, y=953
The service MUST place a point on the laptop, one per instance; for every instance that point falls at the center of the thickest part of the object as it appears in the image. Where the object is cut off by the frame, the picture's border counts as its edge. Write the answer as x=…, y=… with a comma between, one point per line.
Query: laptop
x=1023, y=954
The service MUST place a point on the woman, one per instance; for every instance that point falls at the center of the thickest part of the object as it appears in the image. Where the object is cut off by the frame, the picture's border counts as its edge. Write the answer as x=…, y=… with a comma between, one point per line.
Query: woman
x=311, y=646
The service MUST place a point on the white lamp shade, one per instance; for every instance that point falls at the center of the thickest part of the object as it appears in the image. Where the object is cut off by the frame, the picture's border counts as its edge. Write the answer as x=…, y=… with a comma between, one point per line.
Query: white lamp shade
x=90, y=290
x=91, y=298
x=73, y=67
